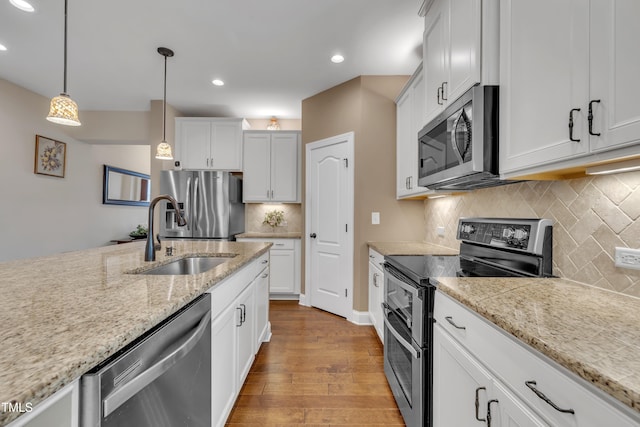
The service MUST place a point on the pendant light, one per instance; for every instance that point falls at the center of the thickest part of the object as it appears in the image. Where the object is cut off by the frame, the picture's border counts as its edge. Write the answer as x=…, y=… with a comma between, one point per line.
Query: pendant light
x=163, y=152
x=63, y=109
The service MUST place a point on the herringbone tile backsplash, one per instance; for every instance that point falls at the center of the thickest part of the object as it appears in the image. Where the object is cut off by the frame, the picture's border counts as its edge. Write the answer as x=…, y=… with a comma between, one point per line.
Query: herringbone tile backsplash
x=591, y=217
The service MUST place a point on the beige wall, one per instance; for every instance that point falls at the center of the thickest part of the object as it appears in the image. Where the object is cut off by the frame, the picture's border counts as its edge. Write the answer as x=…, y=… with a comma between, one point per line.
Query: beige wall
x=46, y=215
x=591, y=217
x=113, y=127
x=366, y=106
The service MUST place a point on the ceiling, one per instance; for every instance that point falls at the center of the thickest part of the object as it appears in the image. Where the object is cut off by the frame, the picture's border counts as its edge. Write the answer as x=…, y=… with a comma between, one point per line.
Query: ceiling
x=271, y=54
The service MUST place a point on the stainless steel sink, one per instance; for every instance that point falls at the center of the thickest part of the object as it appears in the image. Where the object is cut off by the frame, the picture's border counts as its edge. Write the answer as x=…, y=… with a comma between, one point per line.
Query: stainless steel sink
x=188, y=265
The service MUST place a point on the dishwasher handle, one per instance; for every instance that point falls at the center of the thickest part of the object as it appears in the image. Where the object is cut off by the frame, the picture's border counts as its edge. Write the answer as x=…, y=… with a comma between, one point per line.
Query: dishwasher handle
x=130, y=389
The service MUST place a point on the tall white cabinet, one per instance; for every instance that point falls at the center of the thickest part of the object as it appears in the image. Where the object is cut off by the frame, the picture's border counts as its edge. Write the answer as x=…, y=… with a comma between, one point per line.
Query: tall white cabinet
x=410, y=119
x=271, y=166
x=569, y=89
x=209, y=142
x=460, y=50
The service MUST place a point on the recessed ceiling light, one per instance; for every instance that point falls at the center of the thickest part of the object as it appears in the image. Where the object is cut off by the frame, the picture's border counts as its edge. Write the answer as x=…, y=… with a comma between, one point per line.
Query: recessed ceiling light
x=336, y=59
x=218, y=82
x=22, y=5
x=2, y=47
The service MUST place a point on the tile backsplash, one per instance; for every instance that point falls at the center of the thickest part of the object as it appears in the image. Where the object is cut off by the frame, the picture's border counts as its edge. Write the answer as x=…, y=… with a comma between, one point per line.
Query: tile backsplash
x=254, y=215
x=592, y=216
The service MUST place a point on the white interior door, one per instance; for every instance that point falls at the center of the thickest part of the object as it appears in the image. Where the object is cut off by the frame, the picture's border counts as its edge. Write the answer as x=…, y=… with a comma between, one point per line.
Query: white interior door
x=329, y=224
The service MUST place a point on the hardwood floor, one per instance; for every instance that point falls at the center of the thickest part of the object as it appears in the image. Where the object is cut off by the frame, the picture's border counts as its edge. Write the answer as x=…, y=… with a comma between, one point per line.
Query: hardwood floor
x=318, y=369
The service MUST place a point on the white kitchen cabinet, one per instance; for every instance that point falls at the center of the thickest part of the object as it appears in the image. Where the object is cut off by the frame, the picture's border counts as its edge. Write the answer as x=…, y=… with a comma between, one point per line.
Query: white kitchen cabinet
x=410, y=119
x=465, y=344
x=224, y=365
x=209, y=143
x=238, y=309
x=271, y=166
x=460, y=50
x=59, y=410
x=284, y=268
x=556, y=76
x=246, y=323
x=463, y=389
x=263, y=329
x=376, y=291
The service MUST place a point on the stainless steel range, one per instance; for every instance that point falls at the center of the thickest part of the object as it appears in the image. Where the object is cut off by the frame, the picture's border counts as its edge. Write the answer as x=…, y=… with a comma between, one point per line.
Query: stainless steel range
x=490, y=247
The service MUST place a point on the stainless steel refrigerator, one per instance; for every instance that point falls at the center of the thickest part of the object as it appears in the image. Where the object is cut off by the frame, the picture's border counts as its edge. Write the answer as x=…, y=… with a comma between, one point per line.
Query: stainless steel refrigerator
x=210, y=200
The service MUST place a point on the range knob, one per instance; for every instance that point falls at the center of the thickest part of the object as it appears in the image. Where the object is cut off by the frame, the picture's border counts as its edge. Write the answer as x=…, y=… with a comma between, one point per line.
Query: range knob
x=467, y=229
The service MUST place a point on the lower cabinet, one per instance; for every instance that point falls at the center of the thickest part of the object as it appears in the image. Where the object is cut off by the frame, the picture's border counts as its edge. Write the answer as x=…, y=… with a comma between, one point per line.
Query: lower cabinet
x=285, y=266
x=376, y=291
x=465, y=393
x=483, y=375
x=240, y=323
x=59, y=410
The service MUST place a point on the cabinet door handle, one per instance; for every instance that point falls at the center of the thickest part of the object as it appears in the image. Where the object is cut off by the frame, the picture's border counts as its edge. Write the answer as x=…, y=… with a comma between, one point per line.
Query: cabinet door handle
x=207, y=162
x=541, y=395
x=239, y=308
x=450, y=320
x=264, y=276
x=489, y=411
x=406, y=183
x=439, y=92
x=571, y=138
x=375, y=280
x=444, y=85
x=265, y=261
x=272, y=194
x=267, y=194
x=478, y=404
x=590, y=117
x=244, y=312
x=410, y=183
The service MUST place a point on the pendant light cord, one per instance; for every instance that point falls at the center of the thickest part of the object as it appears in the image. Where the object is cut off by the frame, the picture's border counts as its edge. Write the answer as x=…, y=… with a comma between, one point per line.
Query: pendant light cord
x=65, y=48
x=164, y=103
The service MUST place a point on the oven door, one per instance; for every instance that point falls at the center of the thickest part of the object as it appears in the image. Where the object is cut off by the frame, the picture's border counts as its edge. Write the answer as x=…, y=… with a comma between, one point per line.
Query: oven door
x=405, y=358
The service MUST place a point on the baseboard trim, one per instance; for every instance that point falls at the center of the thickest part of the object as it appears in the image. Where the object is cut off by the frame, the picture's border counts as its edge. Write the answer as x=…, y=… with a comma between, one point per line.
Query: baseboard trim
x=284, y=297
x=303, y=300
x=361, y=318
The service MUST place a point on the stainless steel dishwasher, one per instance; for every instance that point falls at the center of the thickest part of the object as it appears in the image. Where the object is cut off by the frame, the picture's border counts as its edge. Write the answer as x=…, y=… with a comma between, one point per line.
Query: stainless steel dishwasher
x=163, y=379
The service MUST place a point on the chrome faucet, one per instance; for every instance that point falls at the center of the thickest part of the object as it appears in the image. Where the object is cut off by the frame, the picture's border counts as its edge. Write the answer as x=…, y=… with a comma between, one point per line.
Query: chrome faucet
x=150, y=250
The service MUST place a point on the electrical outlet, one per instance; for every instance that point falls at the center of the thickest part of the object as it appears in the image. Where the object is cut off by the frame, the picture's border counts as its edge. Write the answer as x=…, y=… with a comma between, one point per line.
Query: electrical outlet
x=628, y=258
x=440, y=231
x=375, y=218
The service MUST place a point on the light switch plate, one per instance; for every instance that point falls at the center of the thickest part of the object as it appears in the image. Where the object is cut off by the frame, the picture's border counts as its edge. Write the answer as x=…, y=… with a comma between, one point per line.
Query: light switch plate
x=440, y=231
x=375, y=218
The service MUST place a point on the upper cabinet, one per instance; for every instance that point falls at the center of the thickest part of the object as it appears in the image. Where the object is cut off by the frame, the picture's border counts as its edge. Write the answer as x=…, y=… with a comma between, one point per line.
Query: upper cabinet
x=410, y=119
x=456, y=33
x=210, y=143
x=569, y=89
x=271, y=166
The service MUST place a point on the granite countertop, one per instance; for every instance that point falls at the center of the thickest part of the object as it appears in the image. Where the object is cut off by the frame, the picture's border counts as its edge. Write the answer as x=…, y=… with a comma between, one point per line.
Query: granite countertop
x=410, y=248
x=590, y=331
x=274, y=235
x=61, y=315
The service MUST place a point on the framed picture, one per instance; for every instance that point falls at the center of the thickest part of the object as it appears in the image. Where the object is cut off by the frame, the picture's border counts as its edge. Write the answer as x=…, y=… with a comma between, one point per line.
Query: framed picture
x=51, y=157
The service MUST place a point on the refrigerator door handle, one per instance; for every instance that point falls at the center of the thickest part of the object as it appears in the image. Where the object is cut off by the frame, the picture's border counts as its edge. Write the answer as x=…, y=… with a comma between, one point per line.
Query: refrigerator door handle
x=196, y=213
x=187, y=206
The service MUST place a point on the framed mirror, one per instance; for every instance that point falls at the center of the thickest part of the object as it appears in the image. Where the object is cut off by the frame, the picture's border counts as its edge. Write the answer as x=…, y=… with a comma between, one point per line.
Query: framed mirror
x=125, y=187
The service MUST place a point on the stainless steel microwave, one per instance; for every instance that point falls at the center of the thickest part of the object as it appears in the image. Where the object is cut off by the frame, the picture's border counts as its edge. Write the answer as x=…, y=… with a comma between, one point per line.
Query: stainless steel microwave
x=458, y=150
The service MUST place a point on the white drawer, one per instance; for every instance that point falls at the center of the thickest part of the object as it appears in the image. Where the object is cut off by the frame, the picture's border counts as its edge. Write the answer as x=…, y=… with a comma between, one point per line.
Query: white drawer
x=278, y=244
x=376, y=258
x=517, y=364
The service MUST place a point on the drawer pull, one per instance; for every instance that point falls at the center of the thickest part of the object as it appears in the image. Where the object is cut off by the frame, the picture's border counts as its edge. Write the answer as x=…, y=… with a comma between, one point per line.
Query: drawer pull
x=450, y=320
x=265, y=261
x=264, y=276
x=478, y=405
x=541, y=395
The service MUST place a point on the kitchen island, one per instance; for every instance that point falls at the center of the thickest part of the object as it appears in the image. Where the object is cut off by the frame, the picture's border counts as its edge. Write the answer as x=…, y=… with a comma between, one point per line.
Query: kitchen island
x=63, y=314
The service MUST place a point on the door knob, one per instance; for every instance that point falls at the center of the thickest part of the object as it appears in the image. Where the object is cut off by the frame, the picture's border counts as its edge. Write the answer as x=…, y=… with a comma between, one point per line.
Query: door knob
x=313, y=235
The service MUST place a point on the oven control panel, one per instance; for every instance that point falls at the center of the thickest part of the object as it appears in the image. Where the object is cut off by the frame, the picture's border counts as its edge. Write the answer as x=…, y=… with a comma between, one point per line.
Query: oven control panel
x=521, y=234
